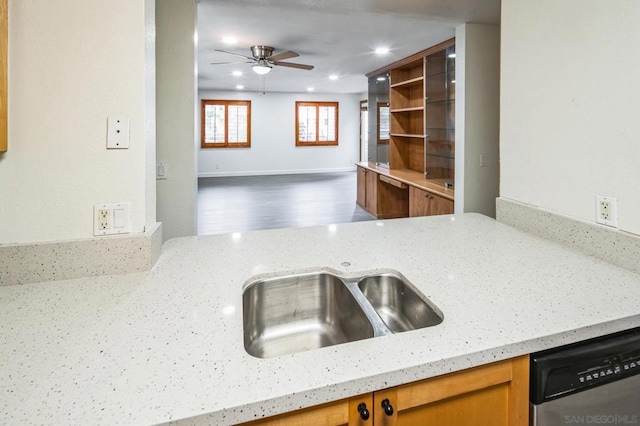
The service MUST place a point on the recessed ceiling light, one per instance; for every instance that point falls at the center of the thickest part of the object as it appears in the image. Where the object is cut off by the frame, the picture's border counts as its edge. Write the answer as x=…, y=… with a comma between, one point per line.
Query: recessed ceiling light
x=452, y=55
x=333, y=77
x=237, y=73
x=239, y=87
x=382, y=50
x=381, y=78
x=309, y=89
x=229, y=40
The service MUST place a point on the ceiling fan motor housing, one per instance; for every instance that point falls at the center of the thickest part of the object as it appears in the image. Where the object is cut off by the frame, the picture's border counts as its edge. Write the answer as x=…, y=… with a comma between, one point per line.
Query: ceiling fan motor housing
x=261, y=52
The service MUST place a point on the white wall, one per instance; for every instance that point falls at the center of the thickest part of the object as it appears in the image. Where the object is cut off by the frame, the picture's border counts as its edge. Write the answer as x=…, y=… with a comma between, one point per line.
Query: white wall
x=570, y=110
x=73, y=63
x=176, y=144
x=477, y=118
x=273, y=149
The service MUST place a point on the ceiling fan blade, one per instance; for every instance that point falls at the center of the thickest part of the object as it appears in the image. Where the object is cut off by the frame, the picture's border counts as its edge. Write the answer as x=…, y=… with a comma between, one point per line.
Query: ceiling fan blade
x=235, y=62
x=283, y=55
x=292, y=65
x=233, y=53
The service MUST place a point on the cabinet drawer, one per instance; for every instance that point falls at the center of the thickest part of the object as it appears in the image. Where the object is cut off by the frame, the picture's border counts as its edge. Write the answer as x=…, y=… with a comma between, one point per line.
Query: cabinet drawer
x=393, y=182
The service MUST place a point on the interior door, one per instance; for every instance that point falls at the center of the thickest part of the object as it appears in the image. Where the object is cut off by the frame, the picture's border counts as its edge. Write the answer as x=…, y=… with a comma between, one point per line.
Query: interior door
x=364, y=132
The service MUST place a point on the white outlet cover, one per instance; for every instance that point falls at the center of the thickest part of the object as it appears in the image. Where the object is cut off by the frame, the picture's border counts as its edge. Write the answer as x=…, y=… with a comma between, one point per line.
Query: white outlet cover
x=613, y=214
x=119, y=218
x=118, y=132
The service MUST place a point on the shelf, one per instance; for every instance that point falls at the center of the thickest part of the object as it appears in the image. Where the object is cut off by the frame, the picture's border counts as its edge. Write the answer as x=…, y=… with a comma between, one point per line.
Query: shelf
x=441, y=74
x=408, y=83
x=406, y=135
x=448, y=157
x=418, y=108
x=428, y=102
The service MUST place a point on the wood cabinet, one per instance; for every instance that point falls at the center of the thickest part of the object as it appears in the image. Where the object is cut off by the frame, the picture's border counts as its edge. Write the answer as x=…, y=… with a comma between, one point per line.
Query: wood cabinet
x=422, y=105
x=406, y=102
x=440, y=112
x=392, y=197
x=422, y=125
x=425, y=203
x=383, y=197
x=367, y=194
x=496, y=394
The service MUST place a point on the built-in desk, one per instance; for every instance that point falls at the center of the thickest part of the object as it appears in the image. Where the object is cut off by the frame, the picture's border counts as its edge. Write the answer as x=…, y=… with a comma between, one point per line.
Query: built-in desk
x=392, y=193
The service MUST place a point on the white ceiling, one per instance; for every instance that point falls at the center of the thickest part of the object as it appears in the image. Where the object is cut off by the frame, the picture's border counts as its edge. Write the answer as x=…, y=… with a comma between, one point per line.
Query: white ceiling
x=337, y=36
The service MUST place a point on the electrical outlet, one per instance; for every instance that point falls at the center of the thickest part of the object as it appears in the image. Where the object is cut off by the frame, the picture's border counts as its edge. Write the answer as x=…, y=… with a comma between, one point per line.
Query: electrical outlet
x=112, y=218
x=117, y=133
x=607, y=210
x=103, y=219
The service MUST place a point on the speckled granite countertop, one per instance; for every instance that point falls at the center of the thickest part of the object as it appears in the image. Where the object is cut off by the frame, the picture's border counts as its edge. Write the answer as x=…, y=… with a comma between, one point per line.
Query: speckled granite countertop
x=167, y=345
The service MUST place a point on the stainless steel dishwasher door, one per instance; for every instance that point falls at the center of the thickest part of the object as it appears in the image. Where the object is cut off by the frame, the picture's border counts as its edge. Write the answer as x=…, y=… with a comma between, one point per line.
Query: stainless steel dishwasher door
x=616, y=403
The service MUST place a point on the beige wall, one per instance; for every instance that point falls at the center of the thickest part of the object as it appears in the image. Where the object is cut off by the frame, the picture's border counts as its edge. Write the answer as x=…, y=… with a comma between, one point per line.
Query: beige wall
x=176, y=109
x=570, y=110
x=73, y=63
x=477, y=118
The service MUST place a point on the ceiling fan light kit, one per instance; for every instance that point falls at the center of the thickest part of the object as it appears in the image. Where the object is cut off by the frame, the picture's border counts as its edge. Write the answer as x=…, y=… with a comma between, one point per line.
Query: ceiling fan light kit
x=262, y=67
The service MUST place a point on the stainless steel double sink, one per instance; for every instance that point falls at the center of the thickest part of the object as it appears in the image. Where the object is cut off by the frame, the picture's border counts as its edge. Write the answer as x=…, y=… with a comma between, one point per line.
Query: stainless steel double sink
x=300, y=312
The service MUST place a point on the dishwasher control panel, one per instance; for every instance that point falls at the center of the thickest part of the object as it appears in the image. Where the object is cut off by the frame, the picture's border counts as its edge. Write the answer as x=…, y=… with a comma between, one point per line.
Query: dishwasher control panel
x=571, y=369
x=611, y=368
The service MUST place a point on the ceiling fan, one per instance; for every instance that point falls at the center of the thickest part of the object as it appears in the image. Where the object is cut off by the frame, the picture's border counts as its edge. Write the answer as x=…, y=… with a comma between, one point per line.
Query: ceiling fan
x=263, y=59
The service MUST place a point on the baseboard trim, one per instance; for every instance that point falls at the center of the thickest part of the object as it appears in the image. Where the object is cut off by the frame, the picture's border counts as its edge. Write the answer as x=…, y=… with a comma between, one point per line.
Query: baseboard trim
x=276, y=172
x=64, y=260
x=611, y=245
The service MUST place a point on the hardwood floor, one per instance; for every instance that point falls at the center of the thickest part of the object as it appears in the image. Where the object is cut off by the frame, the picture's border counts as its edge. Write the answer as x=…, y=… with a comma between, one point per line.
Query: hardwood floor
x=247, y=203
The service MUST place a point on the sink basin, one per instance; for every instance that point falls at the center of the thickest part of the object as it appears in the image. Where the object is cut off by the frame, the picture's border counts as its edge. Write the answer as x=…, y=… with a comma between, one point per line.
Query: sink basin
x=398, y=304
x=300, y=312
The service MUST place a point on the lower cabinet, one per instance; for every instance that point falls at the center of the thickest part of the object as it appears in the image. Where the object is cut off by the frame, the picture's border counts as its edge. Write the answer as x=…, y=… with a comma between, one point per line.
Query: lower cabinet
x=367, y=182
x=424, y=203
x=495, y=394
x=387, y=198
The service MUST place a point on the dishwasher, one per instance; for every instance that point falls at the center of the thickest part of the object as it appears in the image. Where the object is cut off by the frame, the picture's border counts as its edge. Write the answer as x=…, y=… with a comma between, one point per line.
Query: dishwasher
x=591, y=382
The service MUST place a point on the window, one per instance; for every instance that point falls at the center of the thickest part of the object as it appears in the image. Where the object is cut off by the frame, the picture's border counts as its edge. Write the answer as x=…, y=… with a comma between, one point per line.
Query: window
x=226, y=124
x=316, y=123
x=383, y=122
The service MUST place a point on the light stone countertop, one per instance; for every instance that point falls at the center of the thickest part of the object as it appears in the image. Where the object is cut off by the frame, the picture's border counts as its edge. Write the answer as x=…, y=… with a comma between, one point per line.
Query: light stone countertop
x=167, y=345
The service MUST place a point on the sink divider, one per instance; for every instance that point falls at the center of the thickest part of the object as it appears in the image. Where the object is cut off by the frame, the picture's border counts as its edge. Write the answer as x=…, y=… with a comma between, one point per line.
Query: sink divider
x=379, y=327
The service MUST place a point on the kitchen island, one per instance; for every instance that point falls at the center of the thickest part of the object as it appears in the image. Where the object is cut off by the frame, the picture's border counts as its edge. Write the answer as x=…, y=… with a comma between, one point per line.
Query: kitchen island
x=167, y=345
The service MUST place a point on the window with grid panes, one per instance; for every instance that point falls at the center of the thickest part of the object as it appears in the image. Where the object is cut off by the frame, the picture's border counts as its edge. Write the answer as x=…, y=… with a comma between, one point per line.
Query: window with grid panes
x=226, y=124
x=316, y=123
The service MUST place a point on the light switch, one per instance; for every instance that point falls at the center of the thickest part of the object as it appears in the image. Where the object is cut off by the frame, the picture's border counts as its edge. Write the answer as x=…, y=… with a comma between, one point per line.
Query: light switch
x=119, y=220
x=162, y=171
x=483, y=160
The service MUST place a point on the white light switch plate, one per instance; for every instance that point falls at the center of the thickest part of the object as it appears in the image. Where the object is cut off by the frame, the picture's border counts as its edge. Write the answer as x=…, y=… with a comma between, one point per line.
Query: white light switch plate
x=118, y=133
x=162, y=171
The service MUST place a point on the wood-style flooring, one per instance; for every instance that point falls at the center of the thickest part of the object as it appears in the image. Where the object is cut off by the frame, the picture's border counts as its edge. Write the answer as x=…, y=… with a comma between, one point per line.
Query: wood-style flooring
x=248, y=203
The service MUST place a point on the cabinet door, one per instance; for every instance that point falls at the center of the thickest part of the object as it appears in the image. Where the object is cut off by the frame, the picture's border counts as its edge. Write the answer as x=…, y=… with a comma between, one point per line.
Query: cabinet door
x=339, y=413
x=440, y=205
x=418, y=202
x=496, y=394
x=361, y=184
x=371, y=195
x=424, y=203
